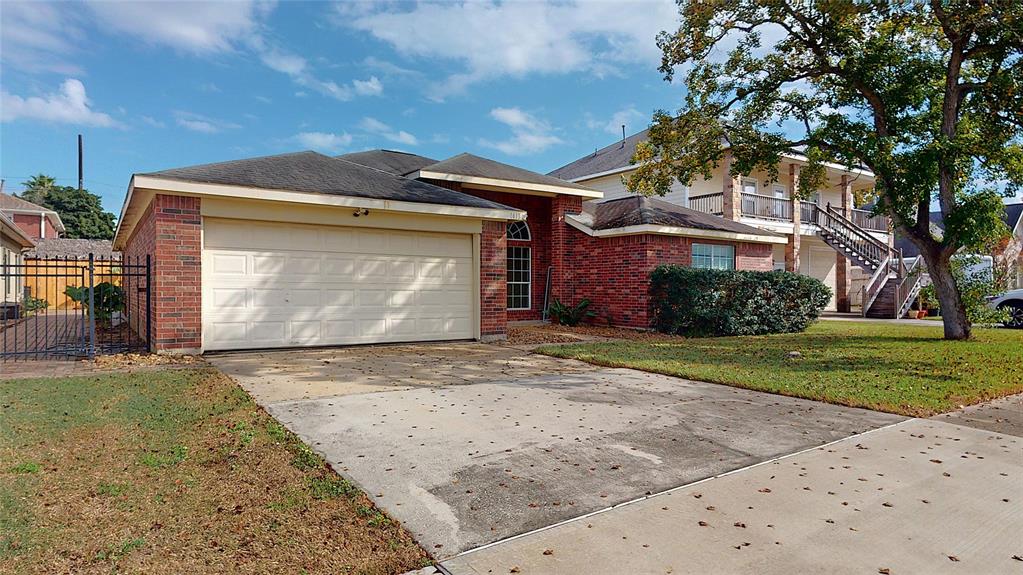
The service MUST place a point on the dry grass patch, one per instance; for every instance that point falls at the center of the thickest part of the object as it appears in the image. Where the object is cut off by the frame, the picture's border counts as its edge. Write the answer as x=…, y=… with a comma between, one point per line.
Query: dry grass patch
x=174, y=471
x=553, y=333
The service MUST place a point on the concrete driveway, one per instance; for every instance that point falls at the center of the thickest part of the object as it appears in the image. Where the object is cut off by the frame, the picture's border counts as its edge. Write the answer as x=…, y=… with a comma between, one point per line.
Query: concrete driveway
x=468, y=444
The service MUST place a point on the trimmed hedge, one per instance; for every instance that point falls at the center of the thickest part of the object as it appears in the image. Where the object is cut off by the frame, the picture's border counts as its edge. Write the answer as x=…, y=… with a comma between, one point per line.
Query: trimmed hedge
x=691, y=301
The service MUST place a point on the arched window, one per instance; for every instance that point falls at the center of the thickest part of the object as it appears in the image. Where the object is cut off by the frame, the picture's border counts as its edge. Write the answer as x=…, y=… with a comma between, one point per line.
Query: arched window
x=520, y=268
x=518, y=231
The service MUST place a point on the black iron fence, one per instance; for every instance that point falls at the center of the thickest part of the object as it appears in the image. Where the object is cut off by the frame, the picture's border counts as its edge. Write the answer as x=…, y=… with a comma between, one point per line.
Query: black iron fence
x=73, y=308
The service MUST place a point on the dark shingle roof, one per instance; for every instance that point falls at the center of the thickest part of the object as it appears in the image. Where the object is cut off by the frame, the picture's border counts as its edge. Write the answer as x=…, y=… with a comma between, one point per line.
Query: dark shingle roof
x=390, y=161
x=9, y=202
x=316, y=173
x=70, y=248
x=475, y=166
x=641, y=210
x=609, y=158
x=1013, y=213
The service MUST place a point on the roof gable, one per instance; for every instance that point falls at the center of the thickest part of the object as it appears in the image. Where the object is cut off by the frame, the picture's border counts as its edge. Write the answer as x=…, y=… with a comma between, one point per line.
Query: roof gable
x=10, y=202
x=471, y=166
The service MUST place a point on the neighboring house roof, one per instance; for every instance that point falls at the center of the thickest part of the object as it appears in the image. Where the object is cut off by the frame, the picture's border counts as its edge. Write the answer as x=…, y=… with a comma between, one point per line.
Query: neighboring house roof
x=471, y=169
x=11, y=230
x=316, y=173
x=13, y=204
x=1013, y=215
x=614, y=157
x=70, y=248
x=390, y=161
x=642, y=215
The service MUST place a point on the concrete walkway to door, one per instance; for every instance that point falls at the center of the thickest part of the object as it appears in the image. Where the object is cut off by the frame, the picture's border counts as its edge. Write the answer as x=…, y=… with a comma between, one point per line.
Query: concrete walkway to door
x=468, y=444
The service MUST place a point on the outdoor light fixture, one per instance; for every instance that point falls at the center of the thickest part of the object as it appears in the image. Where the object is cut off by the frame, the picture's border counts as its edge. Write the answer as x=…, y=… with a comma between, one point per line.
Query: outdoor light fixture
x=361, y=212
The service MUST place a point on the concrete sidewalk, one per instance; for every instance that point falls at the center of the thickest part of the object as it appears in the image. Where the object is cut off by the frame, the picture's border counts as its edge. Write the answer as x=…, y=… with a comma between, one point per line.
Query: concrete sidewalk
x=920, y=496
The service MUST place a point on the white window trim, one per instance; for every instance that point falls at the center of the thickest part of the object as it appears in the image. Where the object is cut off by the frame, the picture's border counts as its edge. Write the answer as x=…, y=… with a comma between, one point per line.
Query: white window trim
x=712, y=246
x=756, y=186
x=529, y=278
x=529, y=233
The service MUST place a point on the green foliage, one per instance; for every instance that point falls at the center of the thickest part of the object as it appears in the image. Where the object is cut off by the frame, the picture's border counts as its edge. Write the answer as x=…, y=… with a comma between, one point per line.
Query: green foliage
x=304, y=458
x=331, y=487
x=32, y=304
x=26, y=467
x=926, y=95
x=570, y=314
x=108, y=299
x=691, y=301
x=975, y=288
x=161, y=460
x=81, y=211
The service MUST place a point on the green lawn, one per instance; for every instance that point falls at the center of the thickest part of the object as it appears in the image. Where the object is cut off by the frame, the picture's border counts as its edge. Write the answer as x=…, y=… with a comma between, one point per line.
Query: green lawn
x=905, y=369
x=174, y=471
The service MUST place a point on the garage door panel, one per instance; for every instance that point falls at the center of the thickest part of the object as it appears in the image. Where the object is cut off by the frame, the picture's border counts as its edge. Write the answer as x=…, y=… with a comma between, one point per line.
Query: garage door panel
x=333, y=294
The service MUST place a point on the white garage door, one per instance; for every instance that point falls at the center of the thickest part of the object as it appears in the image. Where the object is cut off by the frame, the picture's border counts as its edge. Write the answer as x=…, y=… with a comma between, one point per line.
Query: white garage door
x=284, y=285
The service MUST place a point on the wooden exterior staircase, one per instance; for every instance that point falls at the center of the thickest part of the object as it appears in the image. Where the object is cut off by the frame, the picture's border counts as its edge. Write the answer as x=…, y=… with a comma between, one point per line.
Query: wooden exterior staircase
x=892, y=286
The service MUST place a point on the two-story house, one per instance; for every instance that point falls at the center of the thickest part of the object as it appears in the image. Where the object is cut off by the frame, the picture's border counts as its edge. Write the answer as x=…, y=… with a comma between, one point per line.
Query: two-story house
x=826, y=236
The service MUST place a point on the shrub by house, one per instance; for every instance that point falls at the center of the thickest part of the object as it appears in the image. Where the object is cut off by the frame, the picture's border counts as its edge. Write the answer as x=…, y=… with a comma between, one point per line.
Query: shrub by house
x=690, y=301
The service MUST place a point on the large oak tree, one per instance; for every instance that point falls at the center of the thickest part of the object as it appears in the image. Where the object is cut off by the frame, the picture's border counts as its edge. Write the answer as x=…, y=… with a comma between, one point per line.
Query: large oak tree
x=928, y=96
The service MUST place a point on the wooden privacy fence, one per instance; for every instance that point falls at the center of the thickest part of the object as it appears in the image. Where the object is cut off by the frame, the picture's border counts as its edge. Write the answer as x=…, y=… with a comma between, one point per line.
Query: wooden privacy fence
x=47, y=279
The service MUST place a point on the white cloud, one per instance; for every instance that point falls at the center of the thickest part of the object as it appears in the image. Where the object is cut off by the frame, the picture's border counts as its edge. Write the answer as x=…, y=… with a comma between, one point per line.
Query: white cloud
x=289, y=64
x=40, y=37
x=323, y=141
x=202, y=124
x=153, y=122
x=69, y=106
x=529, y=134
x=196, y=27
x=630, y=116
x=371, y=87
x=374, y=126
x=494, y=39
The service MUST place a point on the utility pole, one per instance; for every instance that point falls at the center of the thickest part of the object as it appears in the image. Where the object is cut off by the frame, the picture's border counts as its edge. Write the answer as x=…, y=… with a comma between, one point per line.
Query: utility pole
x=80, y=181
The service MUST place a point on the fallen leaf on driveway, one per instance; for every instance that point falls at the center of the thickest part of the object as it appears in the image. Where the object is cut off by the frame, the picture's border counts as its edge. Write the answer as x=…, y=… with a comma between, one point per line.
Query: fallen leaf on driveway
x=548, y=552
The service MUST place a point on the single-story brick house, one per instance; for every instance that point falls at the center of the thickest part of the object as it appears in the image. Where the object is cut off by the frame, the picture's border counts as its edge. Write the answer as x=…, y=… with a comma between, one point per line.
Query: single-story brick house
x=305, y=249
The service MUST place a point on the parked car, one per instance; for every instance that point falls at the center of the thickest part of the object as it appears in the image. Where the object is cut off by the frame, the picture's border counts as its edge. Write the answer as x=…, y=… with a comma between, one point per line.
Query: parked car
x=1012, y=301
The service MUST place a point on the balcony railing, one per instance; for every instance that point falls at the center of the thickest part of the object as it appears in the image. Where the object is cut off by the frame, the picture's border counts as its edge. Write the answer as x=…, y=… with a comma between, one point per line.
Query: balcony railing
x=708, y=204
x=808, y=212
x=767, y=207
x=866, y=220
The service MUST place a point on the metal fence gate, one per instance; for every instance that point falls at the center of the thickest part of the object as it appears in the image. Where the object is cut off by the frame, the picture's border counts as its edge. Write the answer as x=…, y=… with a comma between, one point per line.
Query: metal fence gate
x=74, y=308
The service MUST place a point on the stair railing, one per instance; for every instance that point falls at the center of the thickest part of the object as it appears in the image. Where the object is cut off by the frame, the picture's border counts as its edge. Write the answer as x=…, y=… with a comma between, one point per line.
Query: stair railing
x=854, y=237
x=910, y=282
x=874, y=285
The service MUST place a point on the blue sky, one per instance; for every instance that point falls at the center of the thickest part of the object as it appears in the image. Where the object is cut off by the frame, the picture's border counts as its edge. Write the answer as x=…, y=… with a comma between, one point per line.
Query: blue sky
x=157, y=85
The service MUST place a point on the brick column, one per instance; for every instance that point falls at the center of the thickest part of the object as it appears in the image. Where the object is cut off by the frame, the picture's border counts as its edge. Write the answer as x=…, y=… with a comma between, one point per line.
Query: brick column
x=493, y=281
x=843, y=274
x=792, y=247
x=731, y=189
x=170, y=233
x=561, y=205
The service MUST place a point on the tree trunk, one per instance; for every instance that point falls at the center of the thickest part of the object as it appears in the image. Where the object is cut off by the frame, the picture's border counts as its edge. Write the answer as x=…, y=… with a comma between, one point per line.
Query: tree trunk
x=953, y=311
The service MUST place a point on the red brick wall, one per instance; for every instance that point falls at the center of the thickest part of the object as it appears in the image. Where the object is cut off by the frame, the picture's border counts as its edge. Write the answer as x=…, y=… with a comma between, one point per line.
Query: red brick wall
x=613, y=273
x=28, y=224
x=51, y=232
x=171, y=233
x=493, y=289
x=538, y=217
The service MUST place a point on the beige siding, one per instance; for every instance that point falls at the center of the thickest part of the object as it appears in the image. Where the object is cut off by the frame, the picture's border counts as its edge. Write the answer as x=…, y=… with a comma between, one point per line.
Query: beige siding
x=10, y=254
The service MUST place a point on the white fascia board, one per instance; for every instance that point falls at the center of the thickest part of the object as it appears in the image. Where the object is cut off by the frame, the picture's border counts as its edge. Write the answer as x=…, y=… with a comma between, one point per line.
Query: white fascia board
x=675, y=231
x=581, y=179
x=200, y=189
x=52, y=215
x=510, y=185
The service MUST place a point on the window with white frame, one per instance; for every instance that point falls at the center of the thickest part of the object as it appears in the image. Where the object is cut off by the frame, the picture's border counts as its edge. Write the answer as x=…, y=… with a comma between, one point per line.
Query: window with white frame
x=714, y=256
x=749, y=185
x=520, y=269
